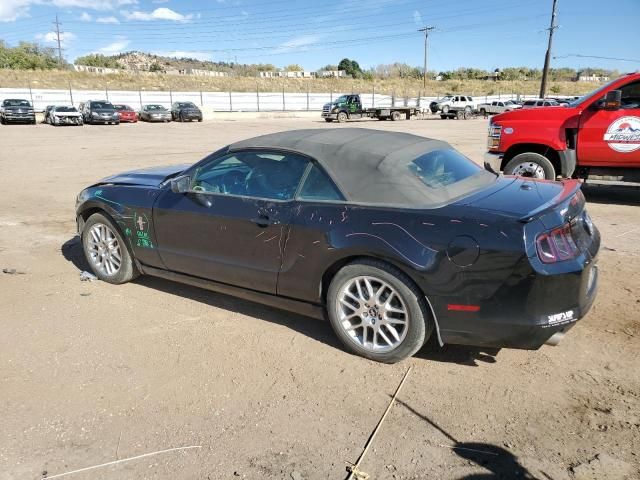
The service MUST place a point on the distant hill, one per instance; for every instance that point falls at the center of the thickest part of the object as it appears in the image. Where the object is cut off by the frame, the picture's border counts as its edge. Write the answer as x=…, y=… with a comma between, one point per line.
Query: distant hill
x=141, y=61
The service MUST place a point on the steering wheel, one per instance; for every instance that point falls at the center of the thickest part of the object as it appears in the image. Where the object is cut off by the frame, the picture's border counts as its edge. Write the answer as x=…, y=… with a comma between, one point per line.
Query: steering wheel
x=233, y=181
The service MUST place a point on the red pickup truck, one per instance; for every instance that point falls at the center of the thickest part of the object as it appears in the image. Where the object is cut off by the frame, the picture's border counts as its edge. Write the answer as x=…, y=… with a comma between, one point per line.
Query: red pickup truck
x=595, y=137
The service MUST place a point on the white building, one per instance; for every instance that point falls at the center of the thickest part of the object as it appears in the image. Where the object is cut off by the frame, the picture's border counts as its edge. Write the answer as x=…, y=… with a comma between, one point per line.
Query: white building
x=592, y=78
x=99, y=70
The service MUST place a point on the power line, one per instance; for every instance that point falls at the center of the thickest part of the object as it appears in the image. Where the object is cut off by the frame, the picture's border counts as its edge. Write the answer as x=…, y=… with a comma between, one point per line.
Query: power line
x=598, y=57
x=547, y=57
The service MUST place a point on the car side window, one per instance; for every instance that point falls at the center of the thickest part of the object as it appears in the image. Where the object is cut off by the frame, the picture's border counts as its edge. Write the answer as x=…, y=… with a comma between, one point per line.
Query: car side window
x=318, y=186
x=631, y=96
x=252, y=173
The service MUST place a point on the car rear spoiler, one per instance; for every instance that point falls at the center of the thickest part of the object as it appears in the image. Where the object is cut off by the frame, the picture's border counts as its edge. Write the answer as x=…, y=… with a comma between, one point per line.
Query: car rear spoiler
x=569, y=189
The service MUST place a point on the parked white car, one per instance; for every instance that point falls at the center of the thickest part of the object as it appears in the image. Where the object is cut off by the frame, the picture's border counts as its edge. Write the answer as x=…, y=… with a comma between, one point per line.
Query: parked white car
x=449, y=106
x=540, y=103
x=64, y=115
x=495, y=107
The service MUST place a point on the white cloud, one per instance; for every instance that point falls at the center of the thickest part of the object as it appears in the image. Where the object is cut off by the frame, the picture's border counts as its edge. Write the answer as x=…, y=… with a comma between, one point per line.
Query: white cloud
x=417, y=18
x=11, y=10
x=298, y=43
x=117, y=46
x=85, y=17
x=161, y=13
x=51, y=37
x=159, y=1
x=111, y=19
x=203, y=56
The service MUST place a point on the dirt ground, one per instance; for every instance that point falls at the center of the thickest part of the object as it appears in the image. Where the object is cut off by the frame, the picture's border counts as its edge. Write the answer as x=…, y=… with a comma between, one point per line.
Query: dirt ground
x=91, y=373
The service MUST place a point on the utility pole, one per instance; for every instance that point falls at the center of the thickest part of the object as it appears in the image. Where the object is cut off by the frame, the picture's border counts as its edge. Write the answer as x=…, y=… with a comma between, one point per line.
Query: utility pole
x=547, y=58
x=57, y=24
x=426, y=31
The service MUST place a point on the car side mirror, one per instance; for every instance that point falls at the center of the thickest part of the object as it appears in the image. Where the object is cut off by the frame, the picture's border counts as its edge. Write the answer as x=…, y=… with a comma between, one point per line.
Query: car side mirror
x=181, y=184
x=613, y=100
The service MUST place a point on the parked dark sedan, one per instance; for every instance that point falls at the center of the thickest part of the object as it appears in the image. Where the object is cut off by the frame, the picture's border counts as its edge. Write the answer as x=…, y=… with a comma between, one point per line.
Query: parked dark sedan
x=183, y=111
x=391, y=235
x=99, y=111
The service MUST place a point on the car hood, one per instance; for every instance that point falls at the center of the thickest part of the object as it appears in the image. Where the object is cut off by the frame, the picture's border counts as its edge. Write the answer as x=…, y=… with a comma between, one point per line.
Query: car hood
x=103, y=110
x=151, y=177
x=66, y=114
x=518, y=196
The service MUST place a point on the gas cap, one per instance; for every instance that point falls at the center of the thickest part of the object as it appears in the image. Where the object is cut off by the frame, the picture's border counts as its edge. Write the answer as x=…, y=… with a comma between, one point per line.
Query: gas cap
x=463, y=250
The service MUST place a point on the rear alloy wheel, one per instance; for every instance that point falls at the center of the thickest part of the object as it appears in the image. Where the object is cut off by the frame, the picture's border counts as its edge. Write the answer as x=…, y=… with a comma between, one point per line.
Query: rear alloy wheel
x=531, y=165
x=377, y=312
x=395, y=116
x=342, y=117
x=106, y=251
x=445, y=109
x=483, y=112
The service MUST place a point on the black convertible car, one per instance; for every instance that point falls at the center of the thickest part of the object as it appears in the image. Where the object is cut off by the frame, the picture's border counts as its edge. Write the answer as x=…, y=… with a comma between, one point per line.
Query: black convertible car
x=394, y=237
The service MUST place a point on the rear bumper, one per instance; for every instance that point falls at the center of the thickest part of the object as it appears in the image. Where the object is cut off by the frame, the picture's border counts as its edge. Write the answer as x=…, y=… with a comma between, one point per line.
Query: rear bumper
x=527, y=319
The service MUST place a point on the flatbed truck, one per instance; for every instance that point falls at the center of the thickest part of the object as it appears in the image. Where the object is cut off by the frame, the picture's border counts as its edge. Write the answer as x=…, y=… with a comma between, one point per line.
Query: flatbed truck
x=349, y=107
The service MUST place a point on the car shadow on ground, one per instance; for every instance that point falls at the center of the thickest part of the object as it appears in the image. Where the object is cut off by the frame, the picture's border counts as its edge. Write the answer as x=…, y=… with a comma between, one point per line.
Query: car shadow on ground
x=498, y=462
x=609, y=194
x=318, y=330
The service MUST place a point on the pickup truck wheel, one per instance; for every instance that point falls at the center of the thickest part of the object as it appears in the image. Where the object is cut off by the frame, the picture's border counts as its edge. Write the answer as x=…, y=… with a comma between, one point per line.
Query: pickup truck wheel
x=395, y=116
x=532, y=165
x=483, y=112
x=467, y=109
x=445, y=109
x=342, y=117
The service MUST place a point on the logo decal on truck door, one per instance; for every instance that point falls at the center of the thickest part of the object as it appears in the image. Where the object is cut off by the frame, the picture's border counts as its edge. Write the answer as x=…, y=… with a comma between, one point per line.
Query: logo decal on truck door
x=623, y=135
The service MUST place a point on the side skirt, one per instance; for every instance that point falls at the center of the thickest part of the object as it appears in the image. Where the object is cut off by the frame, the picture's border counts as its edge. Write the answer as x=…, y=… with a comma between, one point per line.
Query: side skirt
x=284, y=303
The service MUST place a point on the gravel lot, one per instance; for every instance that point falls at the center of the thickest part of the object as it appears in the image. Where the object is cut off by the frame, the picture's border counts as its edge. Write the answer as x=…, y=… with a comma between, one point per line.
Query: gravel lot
x=91, y=373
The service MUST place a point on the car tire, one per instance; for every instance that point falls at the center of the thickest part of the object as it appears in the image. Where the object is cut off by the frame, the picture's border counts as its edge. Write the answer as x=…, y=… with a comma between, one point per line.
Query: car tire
x=468, y=109
x=342, y=117
x=408, y=297
x=199, y=120
x=117, y=123
x=483, y=112
x=181, y=118
x=127, y=270
x=531, y=165
x=395, y=116
x=445, y=109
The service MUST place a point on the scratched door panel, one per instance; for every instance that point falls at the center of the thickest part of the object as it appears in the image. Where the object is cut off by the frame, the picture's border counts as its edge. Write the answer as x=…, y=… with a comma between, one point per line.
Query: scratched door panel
x=235, y=240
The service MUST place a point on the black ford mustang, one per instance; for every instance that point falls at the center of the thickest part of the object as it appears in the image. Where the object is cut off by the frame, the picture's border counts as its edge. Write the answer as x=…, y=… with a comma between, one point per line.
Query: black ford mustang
x=394, y=237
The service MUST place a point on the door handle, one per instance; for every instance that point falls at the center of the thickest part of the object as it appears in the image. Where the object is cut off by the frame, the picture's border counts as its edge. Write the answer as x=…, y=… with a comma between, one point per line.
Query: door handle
x=262, y=221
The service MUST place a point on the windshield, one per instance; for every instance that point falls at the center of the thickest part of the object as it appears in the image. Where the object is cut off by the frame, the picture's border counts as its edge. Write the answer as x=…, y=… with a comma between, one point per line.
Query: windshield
x=581, y=99
x=122, y=108
x=341, y=99
x=65, y=109
x=102, y=105
x=155, y=107
x=15, y=103
x=186, y=105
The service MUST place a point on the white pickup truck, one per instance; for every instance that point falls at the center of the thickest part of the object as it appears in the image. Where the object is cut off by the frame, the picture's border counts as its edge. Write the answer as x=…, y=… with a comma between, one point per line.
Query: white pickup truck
x=496, y=107
x=449, y=106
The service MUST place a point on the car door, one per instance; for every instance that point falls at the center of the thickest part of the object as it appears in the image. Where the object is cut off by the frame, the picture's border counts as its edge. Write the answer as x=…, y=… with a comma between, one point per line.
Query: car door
x=232, y=224
x=612, y=137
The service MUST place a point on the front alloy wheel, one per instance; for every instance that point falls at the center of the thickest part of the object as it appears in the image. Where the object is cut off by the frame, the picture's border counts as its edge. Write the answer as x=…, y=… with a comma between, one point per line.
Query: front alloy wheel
x=377, y=311
x=105, y=250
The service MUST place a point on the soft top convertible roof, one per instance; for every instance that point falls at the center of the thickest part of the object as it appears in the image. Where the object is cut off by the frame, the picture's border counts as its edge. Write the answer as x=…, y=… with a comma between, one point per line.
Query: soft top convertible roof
x=369, y=166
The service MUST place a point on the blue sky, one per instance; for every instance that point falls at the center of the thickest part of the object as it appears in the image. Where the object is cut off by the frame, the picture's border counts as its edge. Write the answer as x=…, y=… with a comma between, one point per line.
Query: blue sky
x=483, y=34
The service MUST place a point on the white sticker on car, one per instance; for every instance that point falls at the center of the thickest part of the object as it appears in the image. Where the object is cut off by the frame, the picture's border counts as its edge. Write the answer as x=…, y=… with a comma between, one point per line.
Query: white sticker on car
x=623, y=135
x=560, y=317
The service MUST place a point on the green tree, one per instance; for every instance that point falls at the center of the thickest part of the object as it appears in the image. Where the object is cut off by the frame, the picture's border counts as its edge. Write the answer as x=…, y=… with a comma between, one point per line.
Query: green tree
x=351, y=67
x=97, y=60
x=294, y=67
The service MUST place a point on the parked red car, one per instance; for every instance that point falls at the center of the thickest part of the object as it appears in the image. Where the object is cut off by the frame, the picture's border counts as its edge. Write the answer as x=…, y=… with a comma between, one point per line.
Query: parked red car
x=127, y=114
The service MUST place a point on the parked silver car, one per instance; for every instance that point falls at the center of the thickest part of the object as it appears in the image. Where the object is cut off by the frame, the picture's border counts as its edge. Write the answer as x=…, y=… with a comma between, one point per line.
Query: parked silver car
x=64, y=115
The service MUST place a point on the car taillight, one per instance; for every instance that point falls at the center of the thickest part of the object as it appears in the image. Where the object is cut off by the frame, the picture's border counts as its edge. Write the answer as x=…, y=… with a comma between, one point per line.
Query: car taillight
x=556, y=245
